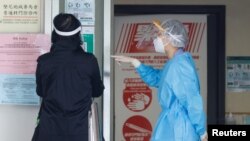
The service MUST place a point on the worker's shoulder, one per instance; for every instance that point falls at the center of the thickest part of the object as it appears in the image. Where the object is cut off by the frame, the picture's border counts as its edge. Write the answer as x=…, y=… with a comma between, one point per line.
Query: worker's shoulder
x=182, y=58
x=184, y=62
x=44, y=57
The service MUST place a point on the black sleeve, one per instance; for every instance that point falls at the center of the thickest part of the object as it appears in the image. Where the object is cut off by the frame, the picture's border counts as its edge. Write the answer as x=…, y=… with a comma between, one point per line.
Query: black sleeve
x=97, y=83
x=38, y=80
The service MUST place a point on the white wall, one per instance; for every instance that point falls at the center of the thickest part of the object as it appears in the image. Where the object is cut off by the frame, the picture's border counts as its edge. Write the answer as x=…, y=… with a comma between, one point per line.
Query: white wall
x=17, y=123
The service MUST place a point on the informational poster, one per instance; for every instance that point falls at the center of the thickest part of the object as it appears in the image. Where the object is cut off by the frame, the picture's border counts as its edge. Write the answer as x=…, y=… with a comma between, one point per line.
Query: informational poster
x=133, y=130
x=84, y=10
x=238, y=74
x=136, y=104
x=18, y=60
x=87, y=35
x=20, y=16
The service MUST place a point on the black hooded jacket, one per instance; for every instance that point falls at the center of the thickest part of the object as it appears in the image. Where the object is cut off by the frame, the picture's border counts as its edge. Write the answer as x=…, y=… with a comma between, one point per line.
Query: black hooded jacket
x=67, y=78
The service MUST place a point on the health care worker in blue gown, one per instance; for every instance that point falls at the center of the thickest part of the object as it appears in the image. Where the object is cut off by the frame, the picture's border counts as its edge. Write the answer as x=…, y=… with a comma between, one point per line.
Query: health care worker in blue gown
x=182, y=117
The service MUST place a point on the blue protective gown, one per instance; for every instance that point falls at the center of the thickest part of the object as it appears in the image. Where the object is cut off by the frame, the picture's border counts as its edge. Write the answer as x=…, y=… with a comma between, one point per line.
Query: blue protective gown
x=182, y=117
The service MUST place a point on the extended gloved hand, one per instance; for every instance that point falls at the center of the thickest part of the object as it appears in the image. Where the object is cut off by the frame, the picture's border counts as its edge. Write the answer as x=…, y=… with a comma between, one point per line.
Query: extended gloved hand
x=135, y=62
x=204, y=137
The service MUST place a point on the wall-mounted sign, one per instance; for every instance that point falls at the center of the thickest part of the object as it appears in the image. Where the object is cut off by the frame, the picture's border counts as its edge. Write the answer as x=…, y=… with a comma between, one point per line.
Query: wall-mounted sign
x=137, y=128
x=84, y=10
x=87, y=34
x=238, y=73
x=18, y=55
x=20, y=16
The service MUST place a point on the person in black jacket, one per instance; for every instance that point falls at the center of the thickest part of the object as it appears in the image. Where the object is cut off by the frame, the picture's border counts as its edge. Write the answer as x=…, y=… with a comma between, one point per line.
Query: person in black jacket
x=67, y=78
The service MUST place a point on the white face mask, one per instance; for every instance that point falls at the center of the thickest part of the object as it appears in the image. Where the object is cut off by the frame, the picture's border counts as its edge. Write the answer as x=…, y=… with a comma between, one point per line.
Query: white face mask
x=159, y=46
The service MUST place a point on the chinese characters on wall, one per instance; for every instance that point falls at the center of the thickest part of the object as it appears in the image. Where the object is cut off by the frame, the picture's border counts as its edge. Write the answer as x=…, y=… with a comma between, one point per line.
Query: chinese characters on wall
x=20, y=16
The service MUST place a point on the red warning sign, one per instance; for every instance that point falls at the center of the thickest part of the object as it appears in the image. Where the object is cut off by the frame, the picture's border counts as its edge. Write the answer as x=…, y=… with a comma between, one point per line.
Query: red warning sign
x=137, y=96
x=137, y=128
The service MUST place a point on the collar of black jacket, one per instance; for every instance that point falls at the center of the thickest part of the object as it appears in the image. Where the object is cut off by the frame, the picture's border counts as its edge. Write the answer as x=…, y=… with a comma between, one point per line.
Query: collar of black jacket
x=65, y=46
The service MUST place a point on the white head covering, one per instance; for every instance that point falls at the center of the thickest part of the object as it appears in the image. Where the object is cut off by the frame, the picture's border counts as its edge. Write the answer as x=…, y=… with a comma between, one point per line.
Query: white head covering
x=69, y=33
x=175, y=32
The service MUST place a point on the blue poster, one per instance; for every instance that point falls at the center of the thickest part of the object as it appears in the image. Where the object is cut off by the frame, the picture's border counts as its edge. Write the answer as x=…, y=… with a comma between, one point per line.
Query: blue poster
x=18, y=89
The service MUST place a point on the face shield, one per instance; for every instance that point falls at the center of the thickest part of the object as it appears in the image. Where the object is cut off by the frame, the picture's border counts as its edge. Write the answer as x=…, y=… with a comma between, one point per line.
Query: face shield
x=169, y=31
x=151, y=32
x=66, y=24
x=69, y=33
x=160, y=38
